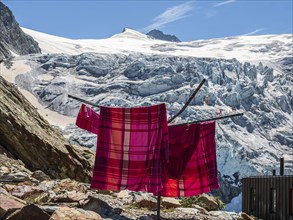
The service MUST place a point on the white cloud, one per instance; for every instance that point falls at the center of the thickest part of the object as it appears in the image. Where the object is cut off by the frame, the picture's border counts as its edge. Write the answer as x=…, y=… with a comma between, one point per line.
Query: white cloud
x=224, y=3
x=253, y=32
x=170, y=15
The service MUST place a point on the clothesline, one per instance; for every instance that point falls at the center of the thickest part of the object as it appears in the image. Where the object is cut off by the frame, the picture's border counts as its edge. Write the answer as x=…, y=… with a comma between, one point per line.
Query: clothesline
x=193, y=122
x=183, y=108
x=208, y=119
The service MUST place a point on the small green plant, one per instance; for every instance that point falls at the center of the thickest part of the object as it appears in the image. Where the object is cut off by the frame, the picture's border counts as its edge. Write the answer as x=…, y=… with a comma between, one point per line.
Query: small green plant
x=195, y=200
x=188, y=201
x=220, y=203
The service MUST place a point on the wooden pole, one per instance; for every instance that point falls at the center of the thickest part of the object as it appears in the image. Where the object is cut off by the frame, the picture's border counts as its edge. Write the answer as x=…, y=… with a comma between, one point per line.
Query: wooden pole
x=209, y=119
x=170, y=120
x=82, y=100
x=159, y=206
x=188, y=101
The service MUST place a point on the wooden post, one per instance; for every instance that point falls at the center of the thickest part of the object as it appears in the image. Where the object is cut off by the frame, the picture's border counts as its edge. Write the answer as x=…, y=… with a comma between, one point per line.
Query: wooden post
x=282, y=166
x=159, y=206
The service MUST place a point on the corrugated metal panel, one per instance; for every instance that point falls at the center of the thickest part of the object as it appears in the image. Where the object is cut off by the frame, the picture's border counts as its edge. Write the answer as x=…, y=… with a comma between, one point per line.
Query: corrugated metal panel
x=263, y=186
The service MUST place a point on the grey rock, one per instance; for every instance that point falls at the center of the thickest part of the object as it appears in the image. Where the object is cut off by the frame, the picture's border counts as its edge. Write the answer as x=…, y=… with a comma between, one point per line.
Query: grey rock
x=157, y=34
x=54, y=154
x=223, y=215
x=31, y=212
x=12, y=38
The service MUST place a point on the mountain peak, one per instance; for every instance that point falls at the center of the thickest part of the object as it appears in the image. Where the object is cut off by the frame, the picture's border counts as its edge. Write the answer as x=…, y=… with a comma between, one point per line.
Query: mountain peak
x=131, y=33
x=157, y=34
x=12, y=38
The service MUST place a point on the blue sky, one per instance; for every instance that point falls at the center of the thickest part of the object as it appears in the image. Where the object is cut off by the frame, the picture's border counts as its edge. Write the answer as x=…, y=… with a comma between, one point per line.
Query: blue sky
x=188, y=20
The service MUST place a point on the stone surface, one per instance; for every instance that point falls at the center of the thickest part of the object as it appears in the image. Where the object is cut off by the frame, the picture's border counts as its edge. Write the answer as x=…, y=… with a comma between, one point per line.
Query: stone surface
x=170, y=202
x=246, y=216
x=9, y=204
x=126, y=196
x=208, y=202
x=157, y=34
x=12, y=38
x=221, y=215
x=200, y=209
x=99, y=206
x=192, y=211
x=69, y=196
x=55, y=155
x=145, y=200
x=40, y=175
x=29, y=212
x=65, y=213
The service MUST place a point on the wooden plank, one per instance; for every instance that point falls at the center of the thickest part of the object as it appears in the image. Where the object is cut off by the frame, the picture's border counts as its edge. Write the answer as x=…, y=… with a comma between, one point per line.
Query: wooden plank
x=291, y=187
x=283, y=197
x=244, y=195
x=260, y=197
x=279, y=207
x=254, y=183
x=265, y=196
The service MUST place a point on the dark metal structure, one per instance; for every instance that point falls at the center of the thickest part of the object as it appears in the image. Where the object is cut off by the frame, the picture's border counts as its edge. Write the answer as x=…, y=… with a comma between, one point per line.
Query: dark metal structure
x=268, y=197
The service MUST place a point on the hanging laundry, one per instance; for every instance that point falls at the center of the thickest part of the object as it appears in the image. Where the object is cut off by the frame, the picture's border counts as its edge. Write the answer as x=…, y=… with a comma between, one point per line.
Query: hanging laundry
x=132, y=144
x=88, y=119
x=192, y=167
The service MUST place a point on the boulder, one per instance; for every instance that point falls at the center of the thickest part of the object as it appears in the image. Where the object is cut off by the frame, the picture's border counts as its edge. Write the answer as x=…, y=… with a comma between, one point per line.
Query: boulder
x=19, y=120
x=40, y=175
x=65, y=213
x=29, y=212
x=24, y=191
x=145, y=200
x=126, y=196
x=99, y=206
x=210, y=203
x=170, y=202
x=246, y=216
x=9, y=203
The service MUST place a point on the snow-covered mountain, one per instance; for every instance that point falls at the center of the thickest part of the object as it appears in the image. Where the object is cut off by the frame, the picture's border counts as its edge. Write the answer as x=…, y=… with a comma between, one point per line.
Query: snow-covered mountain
x=252, y=74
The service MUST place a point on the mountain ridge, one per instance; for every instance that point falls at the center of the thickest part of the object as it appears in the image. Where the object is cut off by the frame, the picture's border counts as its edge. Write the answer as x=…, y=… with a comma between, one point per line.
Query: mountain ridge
x=157, y=34
x=12, y=39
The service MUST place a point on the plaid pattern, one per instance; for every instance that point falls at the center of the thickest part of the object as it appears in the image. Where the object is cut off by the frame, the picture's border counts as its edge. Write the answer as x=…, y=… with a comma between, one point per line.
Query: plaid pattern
x=88, y=119
x=192, y=167
x=131, y=145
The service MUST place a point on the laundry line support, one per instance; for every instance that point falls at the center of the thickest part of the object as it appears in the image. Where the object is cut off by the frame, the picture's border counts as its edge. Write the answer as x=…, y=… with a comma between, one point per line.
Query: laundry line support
x=170, y=120
x=159, y=206
x=188, y=101
x=208, y=119
x=83, y=100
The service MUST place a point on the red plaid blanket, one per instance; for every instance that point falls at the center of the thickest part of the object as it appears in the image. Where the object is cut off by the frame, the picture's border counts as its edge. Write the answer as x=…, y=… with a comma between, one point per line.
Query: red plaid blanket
x=132, y=143
x=192, y=167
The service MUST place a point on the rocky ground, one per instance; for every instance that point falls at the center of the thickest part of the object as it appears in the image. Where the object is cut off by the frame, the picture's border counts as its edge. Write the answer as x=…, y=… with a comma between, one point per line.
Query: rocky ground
x=34, y=195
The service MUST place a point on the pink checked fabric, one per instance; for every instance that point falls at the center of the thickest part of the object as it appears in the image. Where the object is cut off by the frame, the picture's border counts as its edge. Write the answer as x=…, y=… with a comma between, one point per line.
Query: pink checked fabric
x=88, y=119
x=132, y=144
x=192, y=167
